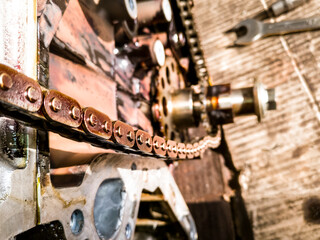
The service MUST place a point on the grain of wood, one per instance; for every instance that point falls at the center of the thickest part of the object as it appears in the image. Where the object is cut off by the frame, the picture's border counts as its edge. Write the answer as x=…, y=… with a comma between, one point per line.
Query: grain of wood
x=279, y=157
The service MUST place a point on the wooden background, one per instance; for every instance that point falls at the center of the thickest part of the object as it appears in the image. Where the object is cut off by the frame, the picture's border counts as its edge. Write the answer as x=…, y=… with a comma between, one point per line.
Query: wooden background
x=280, y=157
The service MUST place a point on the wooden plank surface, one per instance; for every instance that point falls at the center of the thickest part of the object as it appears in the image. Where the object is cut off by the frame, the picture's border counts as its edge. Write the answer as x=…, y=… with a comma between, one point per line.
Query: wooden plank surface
x=279, y=157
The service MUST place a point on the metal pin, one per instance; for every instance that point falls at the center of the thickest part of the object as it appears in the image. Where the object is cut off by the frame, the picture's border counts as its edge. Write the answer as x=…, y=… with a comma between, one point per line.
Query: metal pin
x=93, y=120
x=32, y=94
x=156, y=145
x=148, y=140
x=75, y=113
x=163, y=147
x=119, y=132
x=106, y=127
x=130, y=136
x=140, y=139
x=55, y=105
x=5, y=81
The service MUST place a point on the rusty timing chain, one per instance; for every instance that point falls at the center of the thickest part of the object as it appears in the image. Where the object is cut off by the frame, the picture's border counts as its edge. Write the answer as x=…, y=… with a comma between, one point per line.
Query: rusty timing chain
x=196, y=53
x=24, y=99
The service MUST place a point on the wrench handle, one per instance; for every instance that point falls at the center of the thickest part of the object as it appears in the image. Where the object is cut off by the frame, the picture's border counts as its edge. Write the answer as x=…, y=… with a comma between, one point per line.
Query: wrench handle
x=283, y=6
x=292, y=26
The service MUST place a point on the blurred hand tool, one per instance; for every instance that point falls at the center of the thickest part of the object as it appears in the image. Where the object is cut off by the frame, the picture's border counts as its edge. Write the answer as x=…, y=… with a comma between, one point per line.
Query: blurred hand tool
x=251, y=30
x=284, y=6
x=278, y=8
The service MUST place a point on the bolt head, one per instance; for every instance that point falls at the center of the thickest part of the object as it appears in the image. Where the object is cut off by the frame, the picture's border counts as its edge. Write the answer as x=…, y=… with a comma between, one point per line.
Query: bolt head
x=5, y=81
x=93, y=120
x=32, y=94
x=75, y=113
x=55, y=105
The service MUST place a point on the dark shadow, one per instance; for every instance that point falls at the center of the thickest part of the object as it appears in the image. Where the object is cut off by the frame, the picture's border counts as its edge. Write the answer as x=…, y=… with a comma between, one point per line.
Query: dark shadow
x=311, y=210
x=213, y=220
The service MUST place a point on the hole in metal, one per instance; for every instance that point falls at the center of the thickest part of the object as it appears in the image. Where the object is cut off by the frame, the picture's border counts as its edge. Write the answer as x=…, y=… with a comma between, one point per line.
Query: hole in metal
x=166, y=130
x=172, y=136
x=76, y=222
x=164, y=106
x=168, y=75
x=108, y=207
x=163, y=83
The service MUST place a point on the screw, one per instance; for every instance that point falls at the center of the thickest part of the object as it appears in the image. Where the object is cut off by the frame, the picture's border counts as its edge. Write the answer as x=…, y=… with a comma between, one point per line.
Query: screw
x=130, y=136
x=55, y=104
x=32, y=94
x=75, y=113
x=119, y=131
x=93, y=120
x=5, y=81
x=106, y=127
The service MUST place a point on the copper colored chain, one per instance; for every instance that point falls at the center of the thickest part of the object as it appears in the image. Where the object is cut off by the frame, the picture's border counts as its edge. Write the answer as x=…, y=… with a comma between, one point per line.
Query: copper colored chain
x=24, y=99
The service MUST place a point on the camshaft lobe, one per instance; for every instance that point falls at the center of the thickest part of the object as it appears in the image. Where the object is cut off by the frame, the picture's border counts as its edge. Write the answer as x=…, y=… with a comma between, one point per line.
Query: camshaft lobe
x=59, y=113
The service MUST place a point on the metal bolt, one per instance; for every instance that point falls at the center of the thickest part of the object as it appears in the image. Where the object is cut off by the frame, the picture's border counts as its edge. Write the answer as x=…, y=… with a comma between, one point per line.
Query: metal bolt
x=75, y=113
x=106, y=126
x=55, y=104
x=130, y=136
x=119, y=131
x=93, y=120
x=32, y=94
x=5, y=81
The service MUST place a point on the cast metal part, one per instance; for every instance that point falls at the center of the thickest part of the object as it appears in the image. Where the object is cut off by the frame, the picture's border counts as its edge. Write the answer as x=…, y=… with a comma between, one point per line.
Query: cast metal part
x=111, y=190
